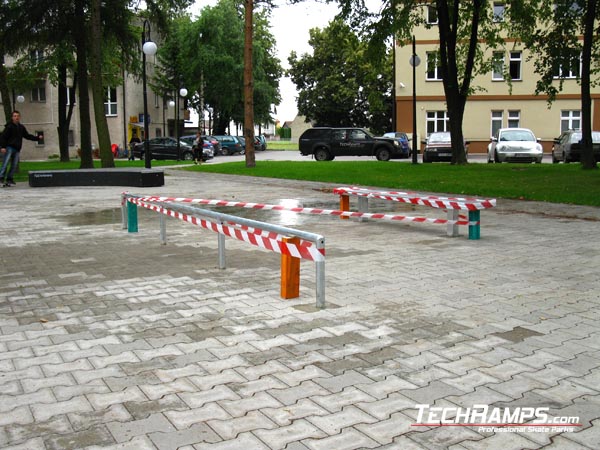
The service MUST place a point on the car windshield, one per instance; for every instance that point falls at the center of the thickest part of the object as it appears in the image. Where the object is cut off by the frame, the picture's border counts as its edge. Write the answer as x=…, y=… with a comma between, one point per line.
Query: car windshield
x=439, y=137
x=576, y=137
x=517, y=135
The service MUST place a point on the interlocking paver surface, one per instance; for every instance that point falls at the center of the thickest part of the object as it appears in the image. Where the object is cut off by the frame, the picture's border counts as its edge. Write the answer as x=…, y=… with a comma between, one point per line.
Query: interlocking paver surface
x=110, y=340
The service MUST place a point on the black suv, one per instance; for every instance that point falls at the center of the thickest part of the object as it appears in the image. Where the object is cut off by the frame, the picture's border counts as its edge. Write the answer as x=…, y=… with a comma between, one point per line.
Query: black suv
x=327, y=143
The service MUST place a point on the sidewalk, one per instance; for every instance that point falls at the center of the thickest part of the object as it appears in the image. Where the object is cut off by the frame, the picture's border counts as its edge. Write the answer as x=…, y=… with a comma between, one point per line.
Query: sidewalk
x=110, y=340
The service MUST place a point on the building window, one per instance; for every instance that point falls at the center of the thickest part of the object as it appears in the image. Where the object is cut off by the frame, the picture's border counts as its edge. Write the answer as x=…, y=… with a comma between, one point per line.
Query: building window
x=515, y=65
x=569, y=66
x=71, y=97
x=434, y=71
x=158, y=132
x=437, y=121
x=36, y=57
x=498, y=66
x=38, y=94
x=432, y=15
x=40, y=135
x=514, y=119
x=156, y=100
x=71, y=138
x=110, y=102
x=570, y=120
x=498, y=12
x=497, y=121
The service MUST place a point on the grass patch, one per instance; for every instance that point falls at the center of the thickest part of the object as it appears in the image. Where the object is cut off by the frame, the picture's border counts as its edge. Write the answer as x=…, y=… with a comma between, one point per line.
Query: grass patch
x=282, y=145
x=558, y=183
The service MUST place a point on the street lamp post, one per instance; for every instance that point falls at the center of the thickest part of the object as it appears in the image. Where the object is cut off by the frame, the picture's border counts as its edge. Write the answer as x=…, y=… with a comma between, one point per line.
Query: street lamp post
x=414, y=62
x=180, y=93
x=148, y=48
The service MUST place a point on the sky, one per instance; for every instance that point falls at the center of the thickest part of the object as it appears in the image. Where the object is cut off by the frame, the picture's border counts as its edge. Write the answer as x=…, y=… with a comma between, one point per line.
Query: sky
x=290, y=26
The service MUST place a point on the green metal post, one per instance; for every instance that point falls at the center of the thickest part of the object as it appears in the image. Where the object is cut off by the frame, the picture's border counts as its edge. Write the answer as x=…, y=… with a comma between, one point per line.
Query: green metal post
x=474, y=231
x=132, y=218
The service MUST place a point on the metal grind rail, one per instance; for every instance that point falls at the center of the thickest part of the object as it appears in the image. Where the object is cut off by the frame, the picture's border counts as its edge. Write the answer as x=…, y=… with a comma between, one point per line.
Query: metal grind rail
x=318, y=211
x=292, y=244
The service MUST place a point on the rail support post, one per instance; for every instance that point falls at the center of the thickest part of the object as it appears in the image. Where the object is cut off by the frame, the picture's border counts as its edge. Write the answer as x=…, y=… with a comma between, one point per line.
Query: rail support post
x=474, y=228
x=221, y=244
x=290, y=272
x=363, y=207
x=452, y=228
x=132, y=218
x=163, y=230
x=344, y=205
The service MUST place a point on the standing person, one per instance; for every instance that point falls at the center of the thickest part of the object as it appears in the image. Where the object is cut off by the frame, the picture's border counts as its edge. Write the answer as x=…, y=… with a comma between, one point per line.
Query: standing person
x=134, y=140
x=11, y=141
x=198, y=148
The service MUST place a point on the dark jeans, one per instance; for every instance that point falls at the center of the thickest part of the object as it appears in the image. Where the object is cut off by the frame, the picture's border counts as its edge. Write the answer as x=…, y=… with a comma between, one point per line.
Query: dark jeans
x=12, y=156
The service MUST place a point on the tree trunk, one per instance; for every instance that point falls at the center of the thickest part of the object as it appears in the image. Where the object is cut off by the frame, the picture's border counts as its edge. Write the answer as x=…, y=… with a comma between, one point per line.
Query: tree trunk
x=4, y=91
x=106, y=156
x=248, y=86
x=84, y=96
x=587, y=152
x=63, y=122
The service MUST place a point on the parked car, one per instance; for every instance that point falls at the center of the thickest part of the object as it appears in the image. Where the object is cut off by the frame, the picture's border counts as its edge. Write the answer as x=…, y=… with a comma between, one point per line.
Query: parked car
x=263, y=142
x=515, y=145
x=230, y=145
x=208, y=150
x=215, y=143
x=257, y=144
x=327, y=143
x=403, y=140
x=164, y=148
x=567, y=147
x=438, y=147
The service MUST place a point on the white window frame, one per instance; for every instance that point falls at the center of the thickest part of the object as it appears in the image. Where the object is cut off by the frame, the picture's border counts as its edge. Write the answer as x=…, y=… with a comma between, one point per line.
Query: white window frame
x=570, y=119
x=111, y=103
x=514, y=119
x=433, y=58
x=498, y=66
x=568, y=73
x=437, y=121
x=36, y=56
x=71, y=96
x=38, y=94
x=496, y=121
x=432, y=15
x=516, y=61
x=498, y=12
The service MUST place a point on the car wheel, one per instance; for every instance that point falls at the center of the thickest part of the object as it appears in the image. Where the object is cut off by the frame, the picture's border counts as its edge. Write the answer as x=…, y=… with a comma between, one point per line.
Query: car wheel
x=188, y=156
x=565, y=159
x=426, y=158
x=383, y=154
x=554, y=160
x=321, y=154
x=496, y=159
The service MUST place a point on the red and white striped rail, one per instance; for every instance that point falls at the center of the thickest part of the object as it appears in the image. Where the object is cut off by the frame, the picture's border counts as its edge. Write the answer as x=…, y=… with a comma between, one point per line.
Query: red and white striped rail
x=256, y=237
x=414, y=198
x=302, y=210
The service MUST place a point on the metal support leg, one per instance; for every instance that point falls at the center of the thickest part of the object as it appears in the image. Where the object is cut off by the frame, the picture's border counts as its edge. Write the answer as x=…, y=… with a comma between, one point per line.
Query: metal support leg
x=132, y=218
x=124, y=213
x=344, y=205
x=221, y=241
x=474, y=230
x=363, y=207
x=320, y=275
x=452, y=228
x=163, y=229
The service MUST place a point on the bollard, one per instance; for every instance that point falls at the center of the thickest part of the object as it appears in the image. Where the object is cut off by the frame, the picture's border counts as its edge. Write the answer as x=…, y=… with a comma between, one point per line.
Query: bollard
x=290, y=272
x=344, y=205
x=132, y=218
x=452, y=228
x=474, y=230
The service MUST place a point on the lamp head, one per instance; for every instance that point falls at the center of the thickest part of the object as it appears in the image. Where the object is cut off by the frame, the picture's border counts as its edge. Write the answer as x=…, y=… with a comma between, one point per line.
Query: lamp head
x=183, y=92
x=149, y=48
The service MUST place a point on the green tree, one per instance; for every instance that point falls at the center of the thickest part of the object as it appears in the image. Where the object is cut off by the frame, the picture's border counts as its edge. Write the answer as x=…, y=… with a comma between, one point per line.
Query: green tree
x=339, y=85
x=562, y=37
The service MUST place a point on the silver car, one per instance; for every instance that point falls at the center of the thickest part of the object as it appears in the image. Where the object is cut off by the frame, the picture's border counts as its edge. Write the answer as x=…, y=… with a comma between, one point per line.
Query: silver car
x=515, y=145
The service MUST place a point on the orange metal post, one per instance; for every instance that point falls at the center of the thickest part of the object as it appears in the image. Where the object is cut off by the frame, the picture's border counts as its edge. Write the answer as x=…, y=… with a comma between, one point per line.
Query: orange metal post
x=290, y=272
x=344, y=205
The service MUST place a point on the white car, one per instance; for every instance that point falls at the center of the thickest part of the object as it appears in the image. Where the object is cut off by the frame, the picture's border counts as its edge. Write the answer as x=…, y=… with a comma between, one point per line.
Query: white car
x=515, y=145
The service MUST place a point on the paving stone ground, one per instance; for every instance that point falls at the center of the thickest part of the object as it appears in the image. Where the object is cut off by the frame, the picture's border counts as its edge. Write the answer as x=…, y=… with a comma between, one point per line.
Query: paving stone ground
x=110, y=340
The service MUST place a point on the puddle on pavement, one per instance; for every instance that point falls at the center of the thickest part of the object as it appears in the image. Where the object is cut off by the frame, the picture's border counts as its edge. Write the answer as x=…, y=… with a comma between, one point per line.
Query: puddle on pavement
x=100, y=217
x=282, y=218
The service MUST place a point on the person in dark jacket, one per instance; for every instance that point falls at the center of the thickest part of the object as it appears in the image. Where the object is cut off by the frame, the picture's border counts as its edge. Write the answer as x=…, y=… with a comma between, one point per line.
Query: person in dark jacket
x=11, y=141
